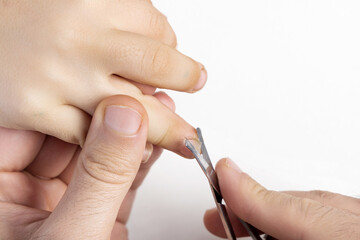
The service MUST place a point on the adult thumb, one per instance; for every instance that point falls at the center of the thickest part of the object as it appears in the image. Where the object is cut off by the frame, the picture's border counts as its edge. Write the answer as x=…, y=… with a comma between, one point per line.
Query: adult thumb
x=104, y=173
x=282, y=215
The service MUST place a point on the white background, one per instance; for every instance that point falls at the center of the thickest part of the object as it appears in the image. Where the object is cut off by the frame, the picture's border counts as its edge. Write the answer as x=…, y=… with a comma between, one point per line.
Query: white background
x=282, y=100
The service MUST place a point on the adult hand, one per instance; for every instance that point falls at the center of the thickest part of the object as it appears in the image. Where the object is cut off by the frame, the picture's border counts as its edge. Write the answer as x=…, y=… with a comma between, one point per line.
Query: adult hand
x=284, y=215
x=50, y=189
x=59, y=59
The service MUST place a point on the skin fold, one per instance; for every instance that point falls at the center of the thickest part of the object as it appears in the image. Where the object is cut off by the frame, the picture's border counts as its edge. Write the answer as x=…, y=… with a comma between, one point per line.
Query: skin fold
x=59, y=59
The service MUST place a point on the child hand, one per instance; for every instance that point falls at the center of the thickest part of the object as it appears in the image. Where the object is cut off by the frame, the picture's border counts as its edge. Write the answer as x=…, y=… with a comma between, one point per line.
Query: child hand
x=59, y=59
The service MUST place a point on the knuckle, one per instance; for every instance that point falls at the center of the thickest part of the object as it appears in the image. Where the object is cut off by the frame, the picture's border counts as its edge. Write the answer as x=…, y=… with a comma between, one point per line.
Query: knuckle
x=255, y=188
x=322, y=196
x=162, y=136
x=305, y=209
x=301, y=209
x=173, y=40
x=158, y=25
x=258, y=192
x=312, y=215
x=109, y=164
x=32, y=107
x=158, y=134
x=303, y=206
x=28, y=105
x=159, y=60
x=250, y=211
x=160, y=29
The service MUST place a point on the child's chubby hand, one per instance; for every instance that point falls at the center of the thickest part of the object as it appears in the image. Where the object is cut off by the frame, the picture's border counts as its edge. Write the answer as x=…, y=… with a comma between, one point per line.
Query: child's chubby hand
x=59, y=59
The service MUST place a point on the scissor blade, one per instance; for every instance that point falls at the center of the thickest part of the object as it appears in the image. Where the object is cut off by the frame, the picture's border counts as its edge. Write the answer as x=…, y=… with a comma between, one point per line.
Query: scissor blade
x=208, y=170
x=203, y=147
x=204, y=161
x=223, y=216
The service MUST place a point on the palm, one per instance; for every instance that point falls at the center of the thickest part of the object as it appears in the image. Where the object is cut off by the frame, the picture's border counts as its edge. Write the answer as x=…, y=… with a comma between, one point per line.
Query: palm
x=34, y=173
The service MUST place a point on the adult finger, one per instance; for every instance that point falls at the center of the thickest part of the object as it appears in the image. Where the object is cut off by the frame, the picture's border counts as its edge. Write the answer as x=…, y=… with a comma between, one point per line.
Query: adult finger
x=66, y=175
x=166, y=129
x=148, y=61
x=52, y=159
x=21, y=145
x=126, y=206
x=282, y=215
x=150, y=150
x=18, y=222
x=151, y=154
x=214, y=224
x=105, y=171
x=330, y=199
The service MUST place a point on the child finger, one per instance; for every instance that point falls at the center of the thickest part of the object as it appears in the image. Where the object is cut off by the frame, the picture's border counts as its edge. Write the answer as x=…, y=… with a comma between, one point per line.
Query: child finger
x=166, y=128
x=149, y=62
x=66, y=122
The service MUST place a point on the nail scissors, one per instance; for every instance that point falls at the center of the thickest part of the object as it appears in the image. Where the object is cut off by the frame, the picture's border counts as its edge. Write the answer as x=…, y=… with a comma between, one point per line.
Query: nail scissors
x=205, y=163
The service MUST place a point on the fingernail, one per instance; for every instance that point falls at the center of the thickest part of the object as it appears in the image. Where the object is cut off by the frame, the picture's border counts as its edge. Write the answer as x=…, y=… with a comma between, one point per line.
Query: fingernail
x=196, y=143
x=147, y=152
x=202, y=80
x=189, y=134
x=123, y=119
x=232, y=165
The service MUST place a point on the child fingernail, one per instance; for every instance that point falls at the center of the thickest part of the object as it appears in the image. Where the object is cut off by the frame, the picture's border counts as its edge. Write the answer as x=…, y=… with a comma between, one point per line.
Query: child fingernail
x=122, y=119
x=148, y=152
x=232, y=165
x=202, y=80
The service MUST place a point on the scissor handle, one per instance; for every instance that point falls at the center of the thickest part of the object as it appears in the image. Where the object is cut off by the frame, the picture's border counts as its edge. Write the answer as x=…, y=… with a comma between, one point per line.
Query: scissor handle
x=251, y=230
x=223, y=216
x=205, y=163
